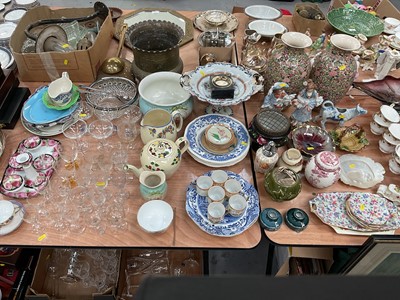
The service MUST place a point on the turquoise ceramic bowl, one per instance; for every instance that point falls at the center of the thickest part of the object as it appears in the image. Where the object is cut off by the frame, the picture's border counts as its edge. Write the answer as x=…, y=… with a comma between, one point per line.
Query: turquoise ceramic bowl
x=163, y=90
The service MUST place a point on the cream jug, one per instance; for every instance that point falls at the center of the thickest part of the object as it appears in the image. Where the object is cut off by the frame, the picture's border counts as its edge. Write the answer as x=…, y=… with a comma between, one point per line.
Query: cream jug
x=153, y=185
x=159, y=123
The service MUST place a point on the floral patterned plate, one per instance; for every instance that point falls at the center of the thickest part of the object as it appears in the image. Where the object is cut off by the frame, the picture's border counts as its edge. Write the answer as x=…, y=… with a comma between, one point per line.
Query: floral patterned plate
x=17, y=219
x=44, y=156
x=360, y=171
x=196, y=208
x=246, y=82
x=195, y=131
x=330, y=208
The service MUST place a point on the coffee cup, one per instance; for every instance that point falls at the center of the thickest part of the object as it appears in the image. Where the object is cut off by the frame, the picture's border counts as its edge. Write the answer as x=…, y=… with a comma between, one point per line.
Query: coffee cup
x=203, y=184
x=232, y=187
x=219, y=177
x=394, y=166
x=215, y=212
x=391, y=24
x=237, y=205
x=385, y=147
x=216, y=194
x=376, y=128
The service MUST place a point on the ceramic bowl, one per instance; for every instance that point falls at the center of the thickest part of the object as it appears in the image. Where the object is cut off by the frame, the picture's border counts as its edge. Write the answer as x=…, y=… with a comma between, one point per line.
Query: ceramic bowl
x=215, y=17
x=155, y=216
x=262, y=12
x=163, y=90
x=267, y=28
x=345, y=42
x=311, y=140
x=391, y=25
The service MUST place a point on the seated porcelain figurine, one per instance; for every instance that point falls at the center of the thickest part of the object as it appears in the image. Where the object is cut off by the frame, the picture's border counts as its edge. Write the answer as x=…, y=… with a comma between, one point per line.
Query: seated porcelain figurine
x=277, y=98
x=306, y=101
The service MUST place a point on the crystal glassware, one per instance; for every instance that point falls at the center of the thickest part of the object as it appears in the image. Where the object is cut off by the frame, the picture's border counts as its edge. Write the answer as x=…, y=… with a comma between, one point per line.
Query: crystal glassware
x=76, y=131
x=101, y=130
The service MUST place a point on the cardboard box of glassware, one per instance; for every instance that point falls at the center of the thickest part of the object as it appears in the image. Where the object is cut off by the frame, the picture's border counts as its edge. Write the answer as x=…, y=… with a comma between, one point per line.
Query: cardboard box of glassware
x=40, y=286
x=174, y=257
x=285, y=253
x=81, y=65
x=301, y=24
x=384, y=8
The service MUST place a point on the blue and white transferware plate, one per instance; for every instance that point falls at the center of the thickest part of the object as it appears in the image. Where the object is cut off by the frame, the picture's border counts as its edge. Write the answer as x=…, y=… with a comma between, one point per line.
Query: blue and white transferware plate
x=196, y=208
x=195, y=129
x=246, y=82
x=35, y=112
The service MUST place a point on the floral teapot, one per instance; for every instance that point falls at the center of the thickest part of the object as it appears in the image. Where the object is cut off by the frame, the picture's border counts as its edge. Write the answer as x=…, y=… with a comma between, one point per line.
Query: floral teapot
x=161, y=155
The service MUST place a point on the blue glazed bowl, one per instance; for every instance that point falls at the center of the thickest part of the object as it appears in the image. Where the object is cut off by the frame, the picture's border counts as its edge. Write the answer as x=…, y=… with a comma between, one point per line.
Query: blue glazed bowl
x=163, y=90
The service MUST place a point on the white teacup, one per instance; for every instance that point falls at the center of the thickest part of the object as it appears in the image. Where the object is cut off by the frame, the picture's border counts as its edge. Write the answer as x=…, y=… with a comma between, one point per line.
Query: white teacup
x=385, y=147
x=237, y=205
x=391, y=24
x=388, y=113
x=394, y=131
x=380, y=120
x=394, y=166
x=219, y=177
x=232, y=187
x=216, y=193
x=203, y=184
x=396, y=154
x=390, y=139
x=396, y=39
x=376, y=128
x=215, y=212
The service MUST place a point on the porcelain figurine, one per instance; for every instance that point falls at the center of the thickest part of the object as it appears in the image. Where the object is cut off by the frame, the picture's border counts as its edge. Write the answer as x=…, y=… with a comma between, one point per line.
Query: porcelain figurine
x=386, y=62
x=323, y=169
x=336, y=114
x=161, y=155
x=306, y=101
x=277, y=98
x=266, y=158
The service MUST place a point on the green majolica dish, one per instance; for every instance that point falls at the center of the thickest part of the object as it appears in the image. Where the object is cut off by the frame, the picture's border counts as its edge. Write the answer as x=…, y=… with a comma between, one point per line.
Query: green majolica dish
x=355, y=21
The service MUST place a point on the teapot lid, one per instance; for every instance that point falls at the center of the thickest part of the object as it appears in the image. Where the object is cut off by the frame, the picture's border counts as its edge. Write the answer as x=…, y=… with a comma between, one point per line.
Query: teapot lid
x=161, y=148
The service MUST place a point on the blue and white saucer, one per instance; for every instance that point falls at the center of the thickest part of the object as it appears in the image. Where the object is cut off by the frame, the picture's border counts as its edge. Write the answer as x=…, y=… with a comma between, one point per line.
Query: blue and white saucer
x=195, y=129
x=196, y=208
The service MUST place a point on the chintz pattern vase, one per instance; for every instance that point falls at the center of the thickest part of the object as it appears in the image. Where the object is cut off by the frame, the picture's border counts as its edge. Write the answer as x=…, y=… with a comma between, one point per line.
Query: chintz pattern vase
x=323, y=169
x=289, y=63
x=335, y=69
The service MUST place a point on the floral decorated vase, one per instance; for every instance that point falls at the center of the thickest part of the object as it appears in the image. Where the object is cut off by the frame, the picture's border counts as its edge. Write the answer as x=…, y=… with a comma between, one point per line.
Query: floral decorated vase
x=290, y=63
x=335, y=69
x=323, y=169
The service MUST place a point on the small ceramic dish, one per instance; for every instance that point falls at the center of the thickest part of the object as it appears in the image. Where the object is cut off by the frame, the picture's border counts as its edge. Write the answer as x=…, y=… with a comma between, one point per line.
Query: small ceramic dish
x=155, y=216
x=6, y=211
x=215, y=17
x=311, y=140
x=219, y=138
x=32, y=143
x=12, y=182
x=262, y=12
x=350, y=138
x=360, y=171
x=267, y=28
x=202, y=24
x=43, y=162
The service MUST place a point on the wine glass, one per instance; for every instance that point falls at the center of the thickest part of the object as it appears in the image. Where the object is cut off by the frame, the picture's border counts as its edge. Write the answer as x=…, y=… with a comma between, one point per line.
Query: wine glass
x=101, y=130
x=69, y=154
x=85, y=110
x=75, y=131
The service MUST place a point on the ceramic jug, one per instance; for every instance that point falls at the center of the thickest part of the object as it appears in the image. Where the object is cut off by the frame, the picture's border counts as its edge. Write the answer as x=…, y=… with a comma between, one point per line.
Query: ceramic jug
x=153, y=185
x=159, y=123
x=335, y=69
x=60, y=90
x=161, y=155
x=323, y=169
x=290, y=63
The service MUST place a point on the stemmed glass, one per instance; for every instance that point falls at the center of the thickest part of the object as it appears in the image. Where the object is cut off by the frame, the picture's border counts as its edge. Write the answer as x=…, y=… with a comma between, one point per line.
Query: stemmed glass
x=100, y=130
x=75, y=131
x=127, y=128
x=69, y=154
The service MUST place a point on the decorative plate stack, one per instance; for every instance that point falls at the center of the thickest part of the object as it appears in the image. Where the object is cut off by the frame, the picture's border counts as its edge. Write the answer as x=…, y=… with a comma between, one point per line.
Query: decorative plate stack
x=39, y=116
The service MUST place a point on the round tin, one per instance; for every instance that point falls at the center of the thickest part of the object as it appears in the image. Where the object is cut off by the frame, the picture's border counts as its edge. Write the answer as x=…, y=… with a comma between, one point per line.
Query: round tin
x=296, y=219
x=271, y=219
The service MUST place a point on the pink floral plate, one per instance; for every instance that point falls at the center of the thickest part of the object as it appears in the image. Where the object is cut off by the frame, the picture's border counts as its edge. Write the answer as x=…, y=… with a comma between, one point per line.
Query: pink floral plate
x=330, y=208
x=370, y=209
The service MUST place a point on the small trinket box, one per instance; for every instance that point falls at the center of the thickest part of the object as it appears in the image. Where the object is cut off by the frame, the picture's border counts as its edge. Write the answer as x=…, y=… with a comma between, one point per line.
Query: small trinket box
x=222, y=86
x=296, y=219
x=271, y=219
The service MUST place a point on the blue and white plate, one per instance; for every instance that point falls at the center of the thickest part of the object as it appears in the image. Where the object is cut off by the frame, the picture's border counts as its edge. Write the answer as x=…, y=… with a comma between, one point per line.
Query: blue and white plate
x=195, y=129
x=35, y=112
x=196, y=208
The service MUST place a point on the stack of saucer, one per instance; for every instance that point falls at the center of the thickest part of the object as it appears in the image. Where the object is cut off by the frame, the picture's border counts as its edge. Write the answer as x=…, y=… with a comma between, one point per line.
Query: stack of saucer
x=382, y=119
x=394, y=162
x=41, y=117
x=369, y=212
x=391, y=138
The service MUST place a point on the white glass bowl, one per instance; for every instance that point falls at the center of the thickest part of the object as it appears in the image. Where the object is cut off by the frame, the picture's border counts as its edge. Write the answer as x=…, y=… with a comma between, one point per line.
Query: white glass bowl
x=155, y=216
x=262, y=12
x=267, y=28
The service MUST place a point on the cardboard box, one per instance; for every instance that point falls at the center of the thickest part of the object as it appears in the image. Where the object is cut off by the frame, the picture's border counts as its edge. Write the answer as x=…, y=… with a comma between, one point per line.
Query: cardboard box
x=41, y=285
x=81, y=65
x=384, y=8
x=325, y=254
x=301, y=24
